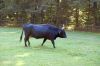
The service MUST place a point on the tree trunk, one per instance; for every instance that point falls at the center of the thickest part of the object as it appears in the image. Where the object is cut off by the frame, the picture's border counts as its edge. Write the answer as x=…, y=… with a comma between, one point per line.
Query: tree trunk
x=95, y=10
x=77, y=17
x=89, y=9
x=57, y=12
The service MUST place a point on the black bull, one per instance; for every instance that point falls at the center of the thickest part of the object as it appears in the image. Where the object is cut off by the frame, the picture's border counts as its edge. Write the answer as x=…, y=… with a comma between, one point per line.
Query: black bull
x=45, y=31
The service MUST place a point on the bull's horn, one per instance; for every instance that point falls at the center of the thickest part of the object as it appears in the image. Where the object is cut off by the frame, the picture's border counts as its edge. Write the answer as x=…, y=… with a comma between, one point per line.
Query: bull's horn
x=63, y=27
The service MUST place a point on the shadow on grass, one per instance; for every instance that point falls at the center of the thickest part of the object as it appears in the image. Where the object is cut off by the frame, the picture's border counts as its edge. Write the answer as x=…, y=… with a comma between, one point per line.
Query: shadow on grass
x=57, y=50
x=43, y=47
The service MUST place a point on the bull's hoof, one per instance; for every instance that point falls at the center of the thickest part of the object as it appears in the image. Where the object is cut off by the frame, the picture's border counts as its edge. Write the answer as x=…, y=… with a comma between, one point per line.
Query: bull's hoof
x=41, y=44
x=54, y=47
x=25, y=46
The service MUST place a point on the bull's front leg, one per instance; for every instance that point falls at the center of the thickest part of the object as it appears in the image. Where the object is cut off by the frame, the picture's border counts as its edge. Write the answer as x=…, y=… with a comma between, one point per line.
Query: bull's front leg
x=28, y=43
x=25, y=42
x=43, y=41
x=53, y=43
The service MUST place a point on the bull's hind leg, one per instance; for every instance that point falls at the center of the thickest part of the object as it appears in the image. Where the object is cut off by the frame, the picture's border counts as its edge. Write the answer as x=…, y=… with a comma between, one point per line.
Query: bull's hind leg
x=43, y=41
x=53, y=43
x=25, y=40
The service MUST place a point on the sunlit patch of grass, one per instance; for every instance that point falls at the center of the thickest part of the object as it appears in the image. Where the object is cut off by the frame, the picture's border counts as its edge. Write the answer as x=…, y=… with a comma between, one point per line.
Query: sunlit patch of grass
x=23, y=55
x=79, y=49
x=19, y=63
x=6, y=62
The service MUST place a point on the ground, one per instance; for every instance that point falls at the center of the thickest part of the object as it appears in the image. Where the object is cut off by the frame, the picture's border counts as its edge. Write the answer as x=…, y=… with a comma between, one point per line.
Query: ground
x=78, y=49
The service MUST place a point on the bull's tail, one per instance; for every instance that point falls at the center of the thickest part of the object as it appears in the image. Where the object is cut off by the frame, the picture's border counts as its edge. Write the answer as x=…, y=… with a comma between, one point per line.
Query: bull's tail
x=21, y=36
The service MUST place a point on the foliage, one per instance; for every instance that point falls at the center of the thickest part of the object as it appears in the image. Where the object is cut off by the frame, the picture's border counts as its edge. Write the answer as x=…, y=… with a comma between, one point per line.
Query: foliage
x=76, y=12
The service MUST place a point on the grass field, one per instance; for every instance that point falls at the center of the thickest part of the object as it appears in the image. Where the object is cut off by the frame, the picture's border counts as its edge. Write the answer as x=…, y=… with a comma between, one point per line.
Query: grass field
x=79, y=49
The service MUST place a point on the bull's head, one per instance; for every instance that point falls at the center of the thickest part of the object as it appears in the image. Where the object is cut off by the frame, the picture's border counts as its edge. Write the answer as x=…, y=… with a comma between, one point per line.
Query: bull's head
x=62, y=33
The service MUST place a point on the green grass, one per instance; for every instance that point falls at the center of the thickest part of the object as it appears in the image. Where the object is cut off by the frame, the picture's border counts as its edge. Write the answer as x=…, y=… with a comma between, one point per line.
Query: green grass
x=79, y=49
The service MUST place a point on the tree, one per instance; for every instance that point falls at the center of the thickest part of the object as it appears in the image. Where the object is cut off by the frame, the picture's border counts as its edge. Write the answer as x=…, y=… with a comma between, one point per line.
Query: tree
x=2, y=5
x=95, y=10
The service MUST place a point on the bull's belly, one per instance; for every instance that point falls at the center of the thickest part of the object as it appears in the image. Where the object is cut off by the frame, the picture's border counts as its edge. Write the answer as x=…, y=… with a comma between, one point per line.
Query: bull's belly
x=38, y=35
